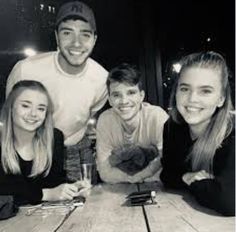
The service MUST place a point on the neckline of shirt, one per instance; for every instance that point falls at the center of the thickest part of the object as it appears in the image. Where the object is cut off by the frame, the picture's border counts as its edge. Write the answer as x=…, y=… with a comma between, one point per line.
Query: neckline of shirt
x=65, y=73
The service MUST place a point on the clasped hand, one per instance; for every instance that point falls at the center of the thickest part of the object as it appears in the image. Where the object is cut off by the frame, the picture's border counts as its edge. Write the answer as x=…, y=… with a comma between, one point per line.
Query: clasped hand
x=67, y=191
x=191, y=177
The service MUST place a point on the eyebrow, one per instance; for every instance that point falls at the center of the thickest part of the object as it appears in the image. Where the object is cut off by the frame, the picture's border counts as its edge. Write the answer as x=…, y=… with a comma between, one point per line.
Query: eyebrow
x=202, y=86
x=65, y=28
x=70, y=29
x=114, y=92
x=29, y=102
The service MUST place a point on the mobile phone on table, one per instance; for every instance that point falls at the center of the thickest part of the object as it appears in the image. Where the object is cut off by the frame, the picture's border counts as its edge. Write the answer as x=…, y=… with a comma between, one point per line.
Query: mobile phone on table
x=142, y=198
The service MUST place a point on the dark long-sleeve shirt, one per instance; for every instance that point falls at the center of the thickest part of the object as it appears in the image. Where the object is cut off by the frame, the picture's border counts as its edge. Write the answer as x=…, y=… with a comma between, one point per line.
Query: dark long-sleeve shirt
x=26, y=189
x=217, y=193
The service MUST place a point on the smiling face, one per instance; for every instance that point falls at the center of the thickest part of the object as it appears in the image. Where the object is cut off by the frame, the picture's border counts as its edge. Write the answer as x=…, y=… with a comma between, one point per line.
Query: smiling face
x=125, y=99
x=29, y=110
x=76, y=40
x=199, y=93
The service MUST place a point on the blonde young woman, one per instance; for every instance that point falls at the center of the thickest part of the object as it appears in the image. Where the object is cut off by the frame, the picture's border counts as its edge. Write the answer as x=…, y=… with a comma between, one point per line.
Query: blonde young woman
x=199, y=144
x=32, y=160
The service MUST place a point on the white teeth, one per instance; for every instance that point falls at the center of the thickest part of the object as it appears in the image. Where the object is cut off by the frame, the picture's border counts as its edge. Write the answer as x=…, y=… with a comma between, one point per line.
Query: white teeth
x=125, y=108
x=31, y=121
x=192, y=109
x=77, y=53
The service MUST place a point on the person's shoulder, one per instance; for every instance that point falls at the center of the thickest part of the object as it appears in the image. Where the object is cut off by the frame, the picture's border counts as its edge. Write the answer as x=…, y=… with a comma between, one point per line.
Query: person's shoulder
x=230, y=138
x=37, y=59
x=152, y=108
x=154, y=112
x=58, y=135
x=106, y=115
x=174, y=127
x=94, y=66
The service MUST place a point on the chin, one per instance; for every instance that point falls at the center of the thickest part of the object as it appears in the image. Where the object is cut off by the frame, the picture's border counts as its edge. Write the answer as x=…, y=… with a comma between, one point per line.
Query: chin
x=127, y=118
x=76, y=63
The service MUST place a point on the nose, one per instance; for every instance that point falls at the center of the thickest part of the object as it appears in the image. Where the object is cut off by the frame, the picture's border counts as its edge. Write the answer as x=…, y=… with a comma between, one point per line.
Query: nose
x=33, y=112
x=77, y=41
x=123, y=100
x=193, y=96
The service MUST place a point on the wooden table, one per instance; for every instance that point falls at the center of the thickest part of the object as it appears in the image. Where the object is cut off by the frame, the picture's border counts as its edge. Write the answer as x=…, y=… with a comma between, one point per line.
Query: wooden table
x=105, y=211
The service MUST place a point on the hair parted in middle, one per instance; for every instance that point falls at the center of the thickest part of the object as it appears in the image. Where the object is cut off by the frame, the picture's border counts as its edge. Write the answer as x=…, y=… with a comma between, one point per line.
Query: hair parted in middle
x=221, y=123
x=43, y=139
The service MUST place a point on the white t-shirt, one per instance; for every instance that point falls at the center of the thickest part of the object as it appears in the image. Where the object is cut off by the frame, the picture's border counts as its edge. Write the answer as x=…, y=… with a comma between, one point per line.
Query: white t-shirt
x=75, y=97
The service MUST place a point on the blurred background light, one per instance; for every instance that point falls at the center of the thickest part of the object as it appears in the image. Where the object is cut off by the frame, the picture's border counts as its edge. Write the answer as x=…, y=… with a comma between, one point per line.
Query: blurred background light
x=177, y=67
x=29, y=52
x=208, y=39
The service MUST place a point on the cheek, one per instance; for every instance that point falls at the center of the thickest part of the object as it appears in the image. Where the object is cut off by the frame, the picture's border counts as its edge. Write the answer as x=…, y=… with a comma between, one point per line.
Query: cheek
x=138, y=99
x=90, y=44
x=212, y=102
x=112, y=101
x=17, y=113
x=179, y=98
x=43, y=115
x=62, y=42
x=16, y=116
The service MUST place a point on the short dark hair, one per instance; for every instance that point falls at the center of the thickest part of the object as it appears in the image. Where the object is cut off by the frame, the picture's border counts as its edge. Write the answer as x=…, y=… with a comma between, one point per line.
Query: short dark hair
x=124, y=73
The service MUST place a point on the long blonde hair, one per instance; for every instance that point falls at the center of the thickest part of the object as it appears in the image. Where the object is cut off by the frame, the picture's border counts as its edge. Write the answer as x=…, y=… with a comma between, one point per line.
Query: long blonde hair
x=42, y=141
x=220, y=126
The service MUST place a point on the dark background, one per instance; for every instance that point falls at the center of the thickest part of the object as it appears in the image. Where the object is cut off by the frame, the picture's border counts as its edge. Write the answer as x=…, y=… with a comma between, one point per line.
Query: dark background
x=150, y=34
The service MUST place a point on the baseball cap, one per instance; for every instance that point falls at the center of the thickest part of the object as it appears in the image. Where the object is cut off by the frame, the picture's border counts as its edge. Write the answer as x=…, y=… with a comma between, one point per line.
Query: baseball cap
x=79, y=9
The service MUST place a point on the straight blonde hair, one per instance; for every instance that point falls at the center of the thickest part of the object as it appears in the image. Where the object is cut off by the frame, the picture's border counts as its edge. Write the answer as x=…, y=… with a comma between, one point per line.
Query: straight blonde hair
x=42, y=141
x=220, y=126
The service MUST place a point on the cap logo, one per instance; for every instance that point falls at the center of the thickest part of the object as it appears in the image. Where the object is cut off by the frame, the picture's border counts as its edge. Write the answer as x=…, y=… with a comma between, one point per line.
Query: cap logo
x=77, y=8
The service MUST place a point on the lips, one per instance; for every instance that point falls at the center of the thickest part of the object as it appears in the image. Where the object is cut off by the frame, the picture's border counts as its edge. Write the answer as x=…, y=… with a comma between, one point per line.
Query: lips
x=193, y=109
x=125, y=109
x=75, y=53
x=31, y=121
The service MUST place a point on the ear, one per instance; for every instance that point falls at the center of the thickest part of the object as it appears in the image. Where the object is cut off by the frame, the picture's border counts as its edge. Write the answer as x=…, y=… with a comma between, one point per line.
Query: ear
x=142, y=93
x=221, y=101
x=95, y=39
x=109, y=100
x=56, y=36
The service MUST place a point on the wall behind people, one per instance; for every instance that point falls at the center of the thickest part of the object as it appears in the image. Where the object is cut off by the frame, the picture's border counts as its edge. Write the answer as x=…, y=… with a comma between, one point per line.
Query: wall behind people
x=150, y=34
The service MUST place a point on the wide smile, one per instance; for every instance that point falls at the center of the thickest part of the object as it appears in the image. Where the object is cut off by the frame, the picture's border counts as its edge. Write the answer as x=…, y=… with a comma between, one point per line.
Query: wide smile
x=31, y=121
x=193, y=109
x=125, y=109
x=74, y=52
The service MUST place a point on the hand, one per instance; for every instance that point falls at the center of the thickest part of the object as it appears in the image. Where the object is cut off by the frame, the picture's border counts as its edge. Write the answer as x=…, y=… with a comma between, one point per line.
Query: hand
x=61, y=192
x=191, y=177
x=84, y=187
x=137, y=178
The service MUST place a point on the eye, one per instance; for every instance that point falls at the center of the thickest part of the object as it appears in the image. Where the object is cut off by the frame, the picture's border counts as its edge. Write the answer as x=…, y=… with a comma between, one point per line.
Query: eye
x=86, y=35
x=206, y=91
x=132, y=92
x=25, y=105
x=183, y=89
x=115, y=95
x=66, y=33
x=42, y=109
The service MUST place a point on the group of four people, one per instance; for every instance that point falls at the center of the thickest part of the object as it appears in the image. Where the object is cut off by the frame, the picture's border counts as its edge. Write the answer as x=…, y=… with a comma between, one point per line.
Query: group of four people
x=194, y=145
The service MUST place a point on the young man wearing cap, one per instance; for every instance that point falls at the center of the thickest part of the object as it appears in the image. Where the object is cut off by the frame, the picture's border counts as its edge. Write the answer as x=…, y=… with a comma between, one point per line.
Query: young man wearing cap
x=129, y=135
x=76, y=83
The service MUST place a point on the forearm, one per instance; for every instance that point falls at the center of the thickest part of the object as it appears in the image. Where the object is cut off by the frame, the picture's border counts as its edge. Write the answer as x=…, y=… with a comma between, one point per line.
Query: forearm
x=215, y=195
x=172, y=178
x=21, y=189
x=148, y=172
x=111, y=174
